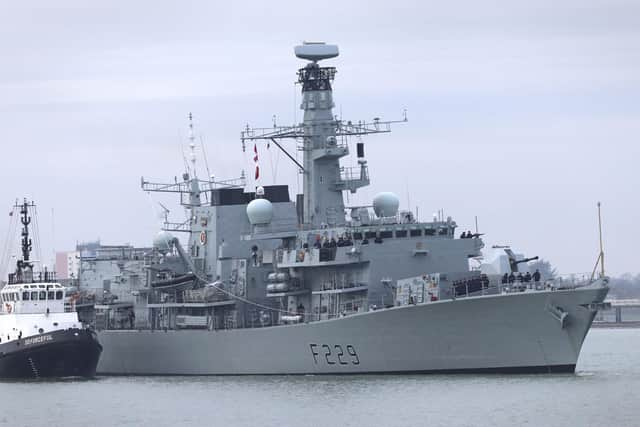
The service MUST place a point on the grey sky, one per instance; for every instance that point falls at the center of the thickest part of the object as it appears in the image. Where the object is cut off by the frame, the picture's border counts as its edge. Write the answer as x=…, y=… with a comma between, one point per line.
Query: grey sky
x=523, y=114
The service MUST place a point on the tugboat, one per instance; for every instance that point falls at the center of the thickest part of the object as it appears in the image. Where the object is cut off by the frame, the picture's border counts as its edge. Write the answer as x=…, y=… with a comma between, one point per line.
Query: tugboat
x=40, y=333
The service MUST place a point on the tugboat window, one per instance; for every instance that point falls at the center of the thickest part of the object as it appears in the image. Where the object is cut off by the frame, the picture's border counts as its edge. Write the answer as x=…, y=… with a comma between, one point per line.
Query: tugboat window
x=51, y=295
x=43, y=295
x=59, y=295
x=25, y=296
x=34, y=296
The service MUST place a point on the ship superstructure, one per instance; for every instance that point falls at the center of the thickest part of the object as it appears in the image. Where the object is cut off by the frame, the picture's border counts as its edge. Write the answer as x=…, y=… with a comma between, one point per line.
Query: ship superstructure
x=267, y=285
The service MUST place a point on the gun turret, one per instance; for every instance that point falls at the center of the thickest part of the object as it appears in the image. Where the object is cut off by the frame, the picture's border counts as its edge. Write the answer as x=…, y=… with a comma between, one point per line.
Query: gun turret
x=513, y=263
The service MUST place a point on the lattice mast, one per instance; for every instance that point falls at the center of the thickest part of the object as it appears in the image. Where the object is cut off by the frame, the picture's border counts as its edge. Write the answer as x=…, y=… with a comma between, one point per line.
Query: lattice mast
x=191, y=189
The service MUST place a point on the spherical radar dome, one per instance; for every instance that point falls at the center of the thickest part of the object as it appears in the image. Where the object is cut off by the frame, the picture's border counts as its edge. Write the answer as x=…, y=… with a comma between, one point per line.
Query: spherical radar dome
x=163, y=241
x=260, y=211
x=386, y=204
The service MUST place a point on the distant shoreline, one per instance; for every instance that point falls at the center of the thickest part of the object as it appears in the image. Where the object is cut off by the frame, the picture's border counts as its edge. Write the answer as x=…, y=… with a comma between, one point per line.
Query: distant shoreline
x=614, y=325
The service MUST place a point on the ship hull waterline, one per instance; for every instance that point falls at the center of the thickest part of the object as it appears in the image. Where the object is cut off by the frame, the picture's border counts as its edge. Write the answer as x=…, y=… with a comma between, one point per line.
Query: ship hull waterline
x=507, y=333
x=59, y=354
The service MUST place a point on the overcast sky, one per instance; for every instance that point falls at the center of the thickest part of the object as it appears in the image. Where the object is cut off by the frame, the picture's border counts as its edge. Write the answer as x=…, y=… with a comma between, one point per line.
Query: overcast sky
x=522, y=113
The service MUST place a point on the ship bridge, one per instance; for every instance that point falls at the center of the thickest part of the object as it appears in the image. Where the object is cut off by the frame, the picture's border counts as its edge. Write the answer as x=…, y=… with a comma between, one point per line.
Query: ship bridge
x=33, y=298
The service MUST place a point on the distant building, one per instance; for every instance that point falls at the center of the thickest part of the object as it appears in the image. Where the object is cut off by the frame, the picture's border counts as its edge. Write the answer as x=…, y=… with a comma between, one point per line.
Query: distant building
x=67, y=265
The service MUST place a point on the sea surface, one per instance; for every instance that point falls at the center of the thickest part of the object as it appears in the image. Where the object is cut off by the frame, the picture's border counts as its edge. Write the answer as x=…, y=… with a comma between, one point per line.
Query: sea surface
x=605, y=391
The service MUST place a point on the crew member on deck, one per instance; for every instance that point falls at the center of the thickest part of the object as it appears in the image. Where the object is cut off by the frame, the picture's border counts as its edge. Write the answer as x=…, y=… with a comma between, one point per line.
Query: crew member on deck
x=536, y=276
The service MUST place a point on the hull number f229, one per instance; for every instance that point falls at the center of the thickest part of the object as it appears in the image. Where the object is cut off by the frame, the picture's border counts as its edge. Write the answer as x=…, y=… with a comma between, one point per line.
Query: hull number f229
x=336, y=354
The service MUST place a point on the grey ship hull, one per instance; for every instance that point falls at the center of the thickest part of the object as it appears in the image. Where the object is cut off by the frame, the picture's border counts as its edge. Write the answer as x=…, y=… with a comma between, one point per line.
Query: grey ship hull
x=515, y=332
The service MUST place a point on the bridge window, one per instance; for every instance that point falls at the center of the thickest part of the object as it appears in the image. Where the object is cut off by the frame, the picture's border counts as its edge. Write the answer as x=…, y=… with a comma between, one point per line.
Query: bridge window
x=429, y=232
x=34, y=296
x=42, y=296
x=59, y=295
x=25, y=296
x=370, y=235
x=401, y=233
x=357, y=235
x=386, y=234
x=415, y=233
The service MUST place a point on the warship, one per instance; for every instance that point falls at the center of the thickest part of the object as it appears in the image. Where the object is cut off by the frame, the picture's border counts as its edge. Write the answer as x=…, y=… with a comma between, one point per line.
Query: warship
x=40, y=333
x=269, y=285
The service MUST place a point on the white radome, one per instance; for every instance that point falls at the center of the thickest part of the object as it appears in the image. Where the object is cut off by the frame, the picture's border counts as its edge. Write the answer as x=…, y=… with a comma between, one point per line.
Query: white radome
x=316, y=51
x=163, y=240
x=260, y=211
x=386, y=204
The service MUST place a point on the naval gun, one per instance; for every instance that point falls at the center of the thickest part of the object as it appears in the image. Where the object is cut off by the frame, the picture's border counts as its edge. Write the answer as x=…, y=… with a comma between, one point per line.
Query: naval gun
x=513, y=262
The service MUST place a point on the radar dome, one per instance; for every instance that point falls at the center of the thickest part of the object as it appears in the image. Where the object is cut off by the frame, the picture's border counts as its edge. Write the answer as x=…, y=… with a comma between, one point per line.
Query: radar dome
x=386, y=204
x=316, y=51
x=260, y=211
x=163, y=241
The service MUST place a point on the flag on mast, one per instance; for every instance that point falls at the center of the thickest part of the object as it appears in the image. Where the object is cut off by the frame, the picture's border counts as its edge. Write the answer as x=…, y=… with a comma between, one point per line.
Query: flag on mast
x=255, y=160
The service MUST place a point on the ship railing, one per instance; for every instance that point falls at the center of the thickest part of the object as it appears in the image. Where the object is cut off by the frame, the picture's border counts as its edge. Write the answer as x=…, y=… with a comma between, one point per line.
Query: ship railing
x=189, y=296
x=32, y=277
x=278, y=226
x=571, y=280
x=354, y=173
x=552, y=284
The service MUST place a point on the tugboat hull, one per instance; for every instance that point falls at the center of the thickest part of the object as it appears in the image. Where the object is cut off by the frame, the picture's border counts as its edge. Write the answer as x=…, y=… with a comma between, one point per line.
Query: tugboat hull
x=64, y=353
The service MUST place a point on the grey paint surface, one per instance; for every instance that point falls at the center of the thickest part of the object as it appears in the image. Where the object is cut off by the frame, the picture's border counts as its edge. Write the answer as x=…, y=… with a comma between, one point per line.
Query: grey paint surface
x=512, y=330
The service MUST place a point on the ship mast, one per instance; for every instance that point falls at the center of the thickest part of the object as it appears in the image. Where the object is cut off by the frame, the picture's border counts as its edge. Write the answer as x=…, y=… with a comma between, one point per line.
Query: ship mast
x=601, y=246
x=600, y=260
x=190, y=188
x=322, y=138
x=24, y=265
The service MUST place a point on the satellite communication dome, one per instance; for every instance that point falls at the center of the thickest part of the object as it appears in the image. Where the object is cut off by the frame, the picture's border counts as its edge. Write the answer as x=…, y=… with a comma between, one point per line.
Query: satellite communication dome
x=260, y=191
x=316, y=51
x=386, y=204
x=163, y=241
x=260, y=211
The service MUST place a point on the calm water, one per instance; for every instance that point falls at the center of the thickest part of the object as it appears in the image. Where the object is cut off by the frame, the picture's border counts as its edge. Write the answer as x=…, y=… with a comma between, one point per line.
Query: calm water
x=604, y=392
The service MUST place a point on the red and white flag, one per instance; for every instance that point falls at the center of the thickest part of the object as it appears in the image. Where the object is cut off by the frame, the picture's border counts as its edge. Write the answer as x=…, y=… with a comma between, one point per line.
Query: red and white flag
x=255, y=160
